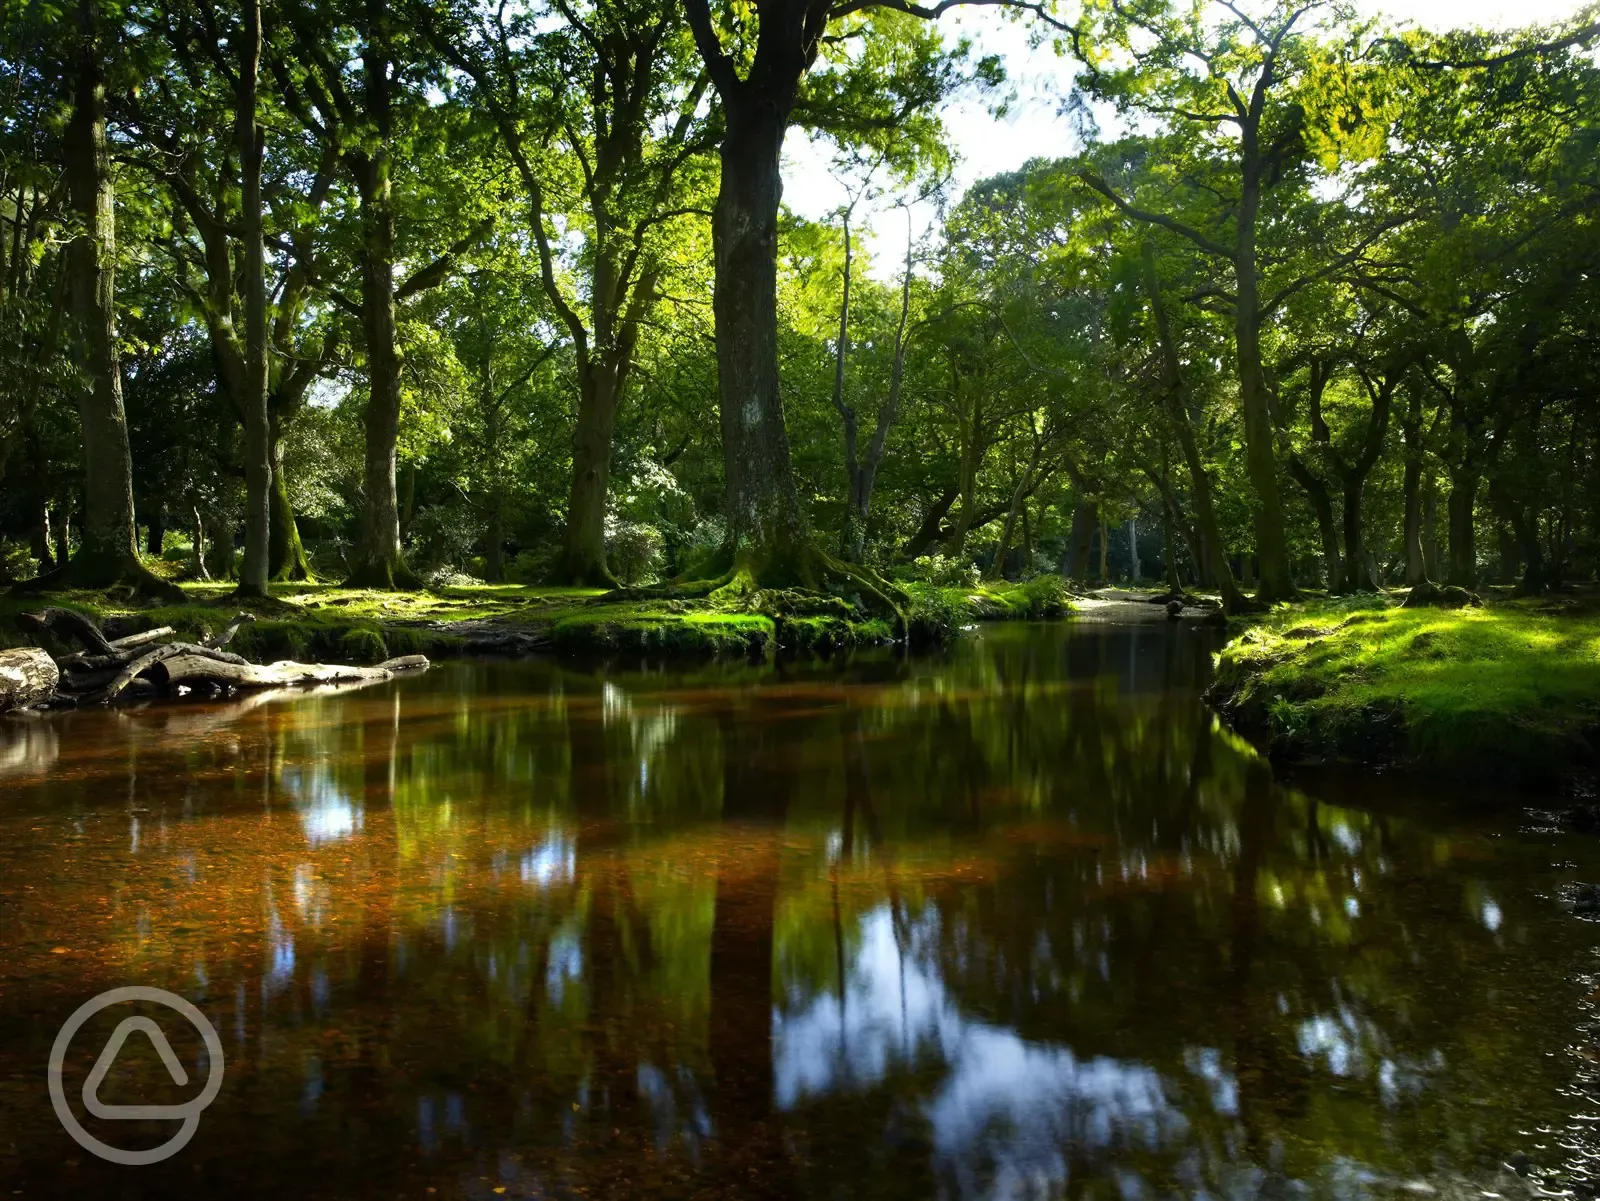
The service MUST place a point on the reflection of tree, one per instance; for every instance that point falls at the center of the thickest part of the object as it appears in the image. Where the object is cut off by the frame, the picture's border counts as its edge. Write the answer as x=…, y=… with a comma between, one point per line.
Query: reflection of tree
x=902, y=929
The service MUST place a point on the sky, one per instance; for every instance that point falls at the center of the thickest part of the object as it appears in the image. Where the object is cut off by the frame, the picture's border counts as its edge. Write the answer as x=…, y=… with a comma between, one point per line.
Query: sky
x=986, y=145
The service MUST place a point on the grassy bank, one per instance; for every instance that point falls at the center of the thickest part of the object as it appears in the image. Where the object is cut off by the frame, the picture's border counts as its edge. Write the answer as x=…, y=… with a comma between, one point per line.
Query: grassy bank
x=1507, y=692
x=327, y=623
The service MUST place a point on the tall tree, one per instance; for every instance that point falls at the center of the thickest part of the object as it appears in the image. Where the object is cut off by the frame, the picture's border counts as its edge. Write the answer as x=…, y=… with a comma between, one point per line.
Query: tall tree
x=617, y=90
x=108, y=552
x=758, y=77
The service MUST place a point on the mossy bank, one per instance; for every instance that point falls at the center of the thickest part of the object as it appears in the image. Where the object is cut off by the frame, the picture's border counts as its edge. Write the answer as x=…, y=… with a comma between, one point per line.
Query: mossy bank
x=1508, y=693
x=327, y=623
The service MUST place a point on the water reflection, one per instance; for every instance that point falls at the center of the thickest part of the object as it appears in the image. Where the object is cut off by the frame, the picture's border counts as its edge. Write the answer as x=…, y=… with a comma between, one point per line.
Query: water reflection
x=1016, y=922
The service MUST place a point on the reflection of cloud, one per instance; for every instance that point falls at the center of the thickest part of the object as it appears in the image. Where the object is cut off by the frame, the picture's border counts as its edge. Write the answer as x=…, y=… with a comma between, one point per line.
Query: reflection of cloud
x=1006, y=1107
x=552, y=861
x=325, y=810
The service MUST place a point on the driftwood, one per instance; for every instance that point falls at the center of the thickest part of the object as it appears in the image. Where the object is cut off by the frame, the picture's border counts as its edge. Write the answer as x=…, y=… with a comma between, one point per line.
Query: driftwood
x=27, y=677
x=159, y=655
x=137, y=640
x=189, y=668
x=109, y=670
x=64, y=623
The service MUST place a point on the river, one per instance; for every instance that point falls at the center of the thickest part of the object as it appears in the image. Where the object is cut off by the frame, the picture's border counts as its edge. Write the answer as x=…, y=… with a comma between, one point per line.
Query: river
x=1019, y=920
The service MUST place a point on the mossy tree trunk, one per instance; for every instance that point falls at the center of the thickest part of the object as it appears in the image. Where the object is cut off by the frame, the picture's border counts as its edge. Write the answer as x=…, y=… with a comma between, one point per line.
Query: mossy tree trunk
x=1358, y=574
x=378, y=562
x=107, y=551
x=258, y=452
x=287, y=557
x=1462, y=553
x=768, y=529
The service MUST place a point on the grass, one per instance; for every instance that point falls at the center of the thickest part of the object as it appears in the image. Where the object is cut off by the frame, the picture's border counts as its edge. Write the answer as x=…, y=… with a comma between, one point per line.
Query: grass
x=1505, y=692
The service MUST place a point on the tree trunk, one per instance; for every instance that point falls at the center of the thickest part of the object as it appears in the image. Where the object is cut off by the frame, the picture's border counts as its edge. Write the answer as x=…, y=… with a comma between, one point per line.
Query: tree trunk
x=583, y=553
x=864, y=475
x=106, y=550
x=200, y=571
x=1199, y=478
x=1430, y=529
x=1134, y=568
x=287, y=558
x=40, y=541
x=1272, y=543
x=1357, y=575
x=1462, y=569
x=220, y=548
x=1080, y=543
x=1169, y=554
x=1411, y=436
x=156, y=537
x=378, y=561
x=932, y=521
x=494, y=551
x=767, y=528
x=257, y=451
x=64, y=537
x=1322, y=506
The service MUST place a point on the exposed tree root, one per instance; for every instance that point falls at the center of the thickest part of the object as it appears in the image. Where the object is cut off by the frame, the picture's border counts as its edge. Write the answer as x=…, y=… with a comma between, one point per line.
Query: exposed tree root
x=97, y=572
x=1445, y=597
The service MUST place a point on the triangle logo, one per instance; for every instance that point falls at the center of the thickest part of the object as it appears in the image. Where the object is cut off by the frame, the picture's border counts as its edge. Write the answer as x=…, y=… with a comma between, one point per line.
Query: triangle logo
x=108, y=1056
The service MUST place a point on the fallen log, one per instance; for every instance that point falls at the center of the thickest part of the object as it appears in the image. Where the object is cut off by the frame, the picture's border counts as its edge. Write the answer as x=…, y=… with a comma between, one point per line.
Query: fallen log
x=191, y=669
x=28, y=676
x=133, y=641
x=161, y=653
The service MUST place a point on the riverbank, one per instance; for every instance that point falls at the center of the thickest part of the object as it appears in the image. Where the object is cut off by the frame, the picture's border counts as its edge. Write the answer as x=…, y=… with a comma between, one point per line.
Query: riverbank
x=328, y=623
x=1509, y=692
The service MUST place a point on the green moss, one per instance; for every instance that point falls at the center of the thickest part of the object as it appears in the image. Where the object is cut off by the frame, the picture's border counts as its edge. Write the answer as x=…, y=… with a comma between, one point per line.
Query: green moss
x=662, y=631
x=363, y=646
x=1501, y=692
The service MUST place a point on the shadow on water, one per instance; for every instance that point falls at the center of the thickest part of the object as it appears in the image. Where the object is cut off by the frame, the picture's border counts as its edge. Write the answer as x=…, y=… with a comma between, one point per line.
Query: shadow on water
x=1018, y=921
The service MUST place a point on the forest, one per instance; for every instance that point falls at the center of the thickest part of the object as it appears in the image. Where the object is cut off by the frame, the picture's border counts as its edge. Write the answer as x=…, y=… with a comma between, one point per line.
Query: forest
x=443, y=295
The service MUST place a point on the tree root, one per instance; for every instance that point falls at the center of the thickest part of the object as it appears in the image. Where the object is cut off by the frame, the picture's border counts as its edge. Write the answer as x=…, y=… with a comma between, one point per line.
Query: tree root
x=1443, y=597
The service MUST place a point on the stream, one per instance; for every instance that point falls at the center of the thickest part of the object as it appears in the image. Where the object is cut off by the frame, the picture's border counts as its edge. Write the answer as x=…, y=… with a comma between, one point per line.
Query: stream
x=1019, y=920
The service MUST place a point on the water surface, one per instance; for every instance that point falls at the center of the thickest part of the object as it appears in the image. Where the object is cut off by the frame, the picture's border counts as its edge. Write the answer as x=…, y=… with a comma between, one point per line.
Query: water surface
x=1019, y=921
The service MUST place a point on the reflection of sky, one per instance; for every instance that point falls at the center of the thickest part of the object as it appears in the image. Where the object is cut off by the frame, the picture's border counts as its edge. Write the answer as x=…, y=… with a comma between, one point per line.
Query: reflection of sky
x=550, y=862
x=1003, y=1100
x=325, y=810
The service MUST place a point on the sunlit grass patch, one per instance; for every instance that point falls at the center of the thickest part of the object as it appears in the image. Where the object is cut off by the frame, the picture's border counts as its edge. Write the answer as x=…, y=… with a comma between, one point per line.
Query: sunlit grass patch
x=1504, y=690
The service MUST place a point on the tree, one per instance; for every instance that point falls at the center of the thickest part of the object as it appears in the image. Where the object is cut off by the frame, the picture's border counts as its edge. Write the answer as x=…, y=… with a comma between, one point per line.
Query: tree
x=759, y=85
x=618, y=87
x=108, y=552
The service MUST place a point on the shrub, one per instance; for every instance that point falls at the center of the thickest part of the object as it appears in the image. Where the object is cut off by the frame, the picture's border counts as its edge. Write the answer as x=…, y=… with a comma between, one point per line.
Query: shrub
x=635, y=551
x=945, y=572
